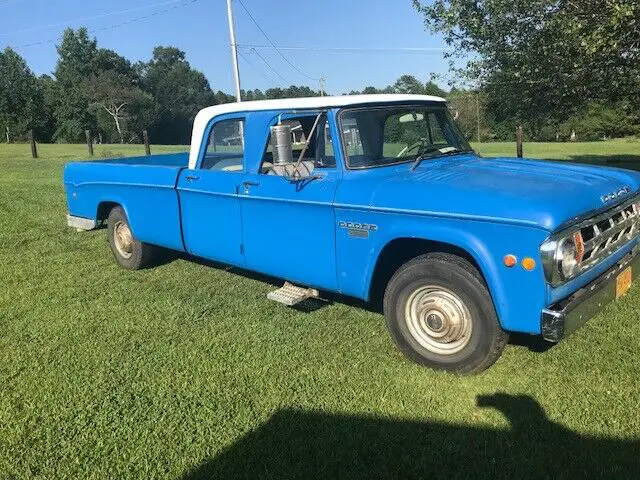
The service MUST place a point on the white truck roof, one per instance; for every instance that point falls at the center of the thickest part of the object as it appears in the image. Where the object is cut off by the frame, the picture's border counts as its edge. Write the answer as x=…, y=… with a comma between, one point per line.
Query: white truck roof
x=206, y=114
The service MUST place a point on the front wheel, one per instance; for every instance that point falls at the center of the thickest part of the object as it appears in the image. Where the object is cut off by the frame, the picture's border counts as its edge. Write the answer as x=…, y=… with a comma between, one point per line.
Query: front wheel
x=130, y=253
x=440, y=314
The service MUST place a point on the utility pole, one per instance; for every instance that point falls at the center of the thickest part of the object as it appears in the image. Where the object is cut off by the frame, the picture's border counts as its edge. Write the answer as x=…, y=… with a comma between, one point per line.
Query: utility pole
x=234, y=51
x=322, y=81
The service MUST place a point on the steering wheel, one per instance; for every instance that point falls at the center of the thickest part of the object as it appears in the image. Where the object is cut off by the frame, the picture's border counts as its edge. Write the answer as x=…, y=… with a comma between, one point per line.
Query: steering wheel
x=419, y=145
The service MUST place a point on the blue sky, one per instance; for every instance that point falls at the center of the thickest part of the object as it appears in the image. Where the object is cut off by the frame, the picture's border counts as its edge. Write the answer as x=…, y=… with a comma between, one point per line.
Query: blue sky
x=199, y=27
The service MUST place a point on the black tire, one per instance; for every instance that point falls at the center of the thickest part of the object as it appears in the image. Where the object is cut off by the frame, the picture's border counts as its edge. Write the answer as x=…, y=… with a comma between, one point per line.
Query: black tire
x=138, y=254
x=450, y=282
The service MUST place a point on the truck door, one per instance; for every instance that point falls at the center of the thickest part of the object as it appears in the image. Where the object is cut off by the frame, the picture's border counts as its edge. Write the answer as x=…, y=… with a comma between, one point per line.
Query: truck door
x=210, y=208
x=288, y=227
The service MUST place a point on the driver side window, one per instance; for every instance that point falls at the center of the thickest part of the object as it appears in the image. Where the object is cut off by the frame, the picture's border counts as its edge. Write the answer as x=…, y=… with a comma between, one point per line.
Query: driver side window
x=319, y=150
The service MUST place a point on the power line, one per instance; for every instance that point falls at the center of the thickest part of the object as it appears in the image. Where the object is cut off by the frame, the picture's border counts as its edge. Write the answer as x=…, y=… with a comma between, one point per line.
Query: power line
x=274, y=45
x=254, y=51
x=254, y=68
x=352, y=49
x=116, y=25
x=92, y=17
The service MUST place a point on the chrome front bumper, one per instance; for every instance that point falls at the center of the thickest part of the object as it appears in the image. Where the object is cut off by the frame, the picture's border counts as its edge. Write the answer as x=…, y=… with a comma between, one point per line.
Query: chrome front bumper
x=566, y=316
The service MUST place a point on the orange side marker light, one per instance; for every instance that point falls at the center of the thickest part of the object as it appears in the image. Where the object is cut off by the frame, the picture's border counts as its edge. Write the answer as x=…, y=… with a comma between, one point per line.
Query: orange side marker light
x=510, y=260
x=528, y=263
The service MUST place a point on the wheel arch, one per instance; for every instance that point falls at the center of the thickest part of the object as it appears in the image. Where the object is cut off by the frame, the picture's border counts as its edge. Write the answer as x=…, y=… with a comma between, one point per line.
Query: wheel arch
x=397, y=251
x=104, y=208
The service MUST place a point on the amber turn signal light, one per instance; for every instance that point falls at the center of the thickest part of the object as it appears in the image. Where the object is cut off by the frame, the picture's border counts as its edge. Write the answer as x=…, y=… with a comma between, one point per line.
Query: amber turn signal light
x=510, y=260
x=528, y=263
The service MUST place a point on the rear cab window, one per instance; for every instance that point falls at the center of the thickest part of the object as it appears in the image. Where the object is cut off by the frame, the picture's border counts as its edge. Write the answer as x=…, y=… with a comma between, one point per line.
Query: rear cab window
x=225, y=147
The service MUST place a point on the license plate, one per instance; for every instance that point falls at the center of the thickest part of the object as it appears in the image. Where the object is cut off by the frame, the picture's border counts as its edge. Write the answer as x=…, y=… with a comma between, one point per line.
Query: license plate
x=623, y=282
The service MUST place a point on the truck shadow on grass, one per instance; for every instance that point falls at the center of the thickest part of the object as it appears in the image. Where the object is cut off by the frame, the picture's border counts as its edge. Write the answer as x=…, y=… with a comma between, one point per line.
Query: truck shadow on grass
x=305, y=444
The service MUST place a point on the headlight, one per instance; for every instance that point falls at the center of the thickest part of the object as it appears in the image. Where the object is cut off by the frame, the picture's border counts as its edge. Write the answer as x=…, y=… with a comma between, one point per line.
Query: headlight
x=561, y=258
x=567, y=258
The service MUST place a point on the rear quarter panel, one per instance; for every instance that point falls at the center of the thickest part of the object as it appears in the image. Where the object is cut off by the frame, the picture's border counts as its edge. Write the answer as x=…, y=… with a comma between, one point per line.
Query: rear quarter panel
x=146, y=192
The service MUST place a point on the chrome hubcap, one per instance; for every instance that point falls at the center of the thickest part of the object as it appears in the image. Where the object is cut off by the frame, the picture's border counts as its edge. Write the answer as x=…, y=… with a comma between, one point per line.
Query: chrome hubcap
x=123, y=239
x=438, y=319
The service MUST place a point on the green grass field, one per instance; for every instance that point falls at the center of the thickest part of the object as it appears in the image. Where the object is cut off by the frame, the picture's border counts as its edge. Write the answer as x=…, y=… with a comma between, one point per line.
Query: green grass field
x=187, y=371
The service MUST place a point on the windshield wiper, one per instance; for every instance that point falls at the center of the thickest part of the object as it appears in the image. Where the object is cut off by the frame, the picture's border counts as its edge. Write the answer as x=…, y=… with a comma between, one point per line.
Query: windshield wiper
x=424, y=154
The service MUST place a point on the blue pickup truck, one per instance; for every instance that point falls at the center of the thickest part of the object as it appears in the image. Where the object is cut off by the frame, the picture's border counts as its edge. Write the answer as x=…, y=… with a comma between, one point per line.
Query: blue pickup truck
x=379, y=197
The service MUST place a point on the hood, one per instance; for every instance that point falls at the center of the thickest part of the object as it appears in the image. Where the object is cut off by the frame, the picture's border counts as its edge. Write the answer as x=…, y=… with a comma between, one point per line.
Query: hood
x=534, y=192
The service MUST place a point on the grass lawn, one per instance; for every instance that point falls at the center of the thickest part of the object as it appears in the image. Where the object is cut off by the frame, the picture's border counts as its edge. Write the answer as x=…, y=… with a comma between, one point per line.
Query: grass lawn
x=187, y=371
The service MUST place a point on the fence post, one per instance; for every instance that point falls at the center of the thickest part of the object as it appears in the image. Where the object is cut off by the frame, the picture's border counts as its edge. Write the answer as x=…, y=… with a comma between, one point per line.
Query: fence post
x=145, y=138
x=87, y=134
x=32, y=141
x=7, y=132
x=519, y=136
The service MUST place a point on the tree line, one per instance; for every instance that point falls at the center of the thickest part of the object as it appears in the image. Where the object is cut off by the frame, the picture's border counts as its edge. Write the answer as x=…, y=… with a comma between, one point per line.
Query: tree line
x=97, y=89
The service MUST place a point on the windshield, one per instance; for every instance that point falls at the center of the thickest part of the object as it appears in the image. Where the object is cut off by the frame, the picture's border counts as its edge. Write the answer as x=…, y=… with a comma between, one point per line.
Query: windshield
x=378, y=136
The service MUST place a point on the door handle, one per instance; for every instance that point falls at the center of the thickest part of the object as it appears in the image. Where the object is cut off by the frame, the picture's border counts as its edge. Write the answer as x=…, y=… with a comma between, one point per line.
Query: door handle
x=247, y=184
x=191, y=178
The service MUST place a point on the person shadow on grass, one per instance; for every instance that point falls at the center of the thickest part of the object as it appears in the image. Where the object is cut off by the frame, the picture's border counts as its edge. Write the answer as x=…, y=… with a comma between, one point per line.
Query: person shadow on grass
x=309, y=444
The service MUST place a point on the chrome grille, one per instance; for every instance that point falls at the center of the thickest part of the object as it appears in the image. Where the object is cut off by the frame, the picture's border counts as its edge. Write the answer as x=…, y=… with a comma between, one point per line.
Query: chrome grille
x=604, y=234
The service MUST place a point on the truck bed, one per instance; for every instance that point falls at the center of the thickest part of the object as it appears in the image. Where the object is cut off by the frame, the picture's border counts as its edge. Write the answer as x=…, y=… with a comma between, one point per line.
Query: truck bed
x=144, y=186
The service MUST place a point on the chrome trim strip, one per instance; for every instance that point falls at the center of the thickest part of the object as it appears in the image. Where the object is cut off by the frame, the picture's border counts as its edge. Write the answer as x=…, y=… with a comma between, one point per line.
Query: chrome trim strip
x=81, y=223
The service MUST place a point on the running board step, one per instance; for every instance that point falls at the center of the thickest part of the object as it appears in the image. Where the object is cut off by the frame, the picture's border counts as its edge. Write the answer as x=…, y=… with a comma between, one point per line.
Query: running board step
x=290, y=294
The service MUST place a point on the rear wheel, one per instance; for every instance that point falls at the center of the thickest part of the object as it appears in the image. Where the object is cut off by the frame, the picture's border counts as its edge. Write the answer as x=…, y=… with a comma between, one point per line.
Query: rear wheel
x=129, y=252
x=440, y=314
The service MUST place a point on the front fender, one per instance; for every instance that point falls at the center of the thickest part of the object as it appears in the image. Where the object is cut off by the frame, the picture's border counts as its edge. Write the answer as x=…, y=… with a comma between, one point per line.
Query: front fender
x=518, y=295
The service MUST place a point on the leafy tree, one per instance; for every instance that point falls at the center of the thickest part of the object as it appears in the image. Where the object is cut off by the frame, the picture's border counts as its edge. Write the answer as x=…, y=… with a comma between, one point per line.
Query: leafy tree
x=408, y=84
x=405, y=84
x=468, y=109
x=601, y=120
x=221, y=97
x=80, y=63
x=540, y=61
x=77, y=61
x=275, y=93
x=431, y=88
x=370, y=90
x=20, y=96
x=179, y=92
x=108, y=60
x=115, y=94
